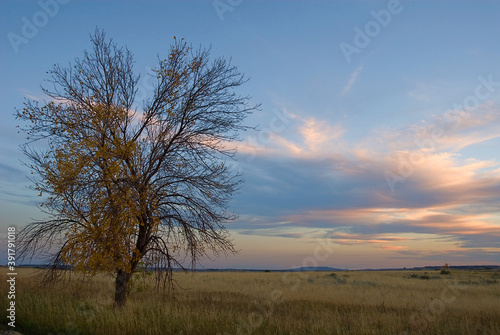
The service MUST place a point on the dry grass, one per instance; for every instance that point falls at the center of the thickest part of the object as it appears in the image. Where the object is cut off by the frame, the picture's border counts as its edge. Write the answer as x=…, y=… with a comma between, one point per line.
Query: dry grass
x=379, y=302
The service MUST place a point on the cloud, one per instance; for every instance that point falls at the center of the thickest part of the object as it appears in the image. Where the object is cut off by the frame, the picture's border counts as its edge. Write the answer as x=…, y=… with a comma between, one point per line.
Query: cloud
x=317, y=182
x=451, y=131
x=304, y=137
x=30, y=95
x=352, y=80
x=319, y=135
x=393, y=247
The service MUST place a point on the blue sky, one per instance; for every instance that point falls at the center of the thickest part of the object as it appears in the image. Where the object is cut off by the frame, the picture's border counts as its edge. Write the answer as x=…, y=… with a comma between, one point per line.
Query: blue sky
x=385, y=156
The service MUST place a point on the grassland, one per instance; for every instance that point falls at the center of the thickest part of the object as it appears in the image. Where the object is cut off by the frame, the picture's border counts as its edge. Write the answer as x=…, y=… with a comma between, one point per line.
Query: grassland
x=352, y=302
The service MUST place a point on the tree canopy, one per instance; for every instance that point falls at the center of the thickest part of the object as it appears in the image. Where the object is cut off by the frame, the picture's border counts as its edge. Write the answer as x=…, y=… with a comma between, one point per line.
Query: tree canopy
x=131, y=185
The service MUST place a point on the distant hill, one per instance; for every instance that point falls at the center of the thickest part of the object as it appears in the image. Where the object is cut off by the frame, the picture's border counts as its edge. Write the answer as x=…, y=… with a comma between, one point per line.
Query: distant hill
x=436, y=268
x=306, y=268
x=315, y=268
x=460, y=267
x=319, y=268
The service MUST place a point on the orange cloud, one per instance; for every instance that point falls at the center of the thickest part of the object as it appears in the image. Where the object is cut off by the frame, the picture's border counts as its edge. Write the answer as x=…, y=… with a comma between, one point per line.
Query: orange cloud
x=319, y=136
x=393, y=247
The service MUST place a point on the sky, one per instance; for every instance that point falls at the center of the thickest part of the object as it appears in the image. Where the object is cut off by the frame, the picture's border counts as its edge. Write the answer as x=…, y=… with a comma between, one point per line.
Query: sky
x=378, y=131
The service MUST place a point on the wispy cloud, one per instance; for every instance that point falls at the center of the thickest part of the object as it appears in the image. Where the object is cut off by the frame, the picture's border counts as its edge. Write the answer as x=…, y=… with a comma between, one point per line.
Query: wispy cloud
x=352, y=80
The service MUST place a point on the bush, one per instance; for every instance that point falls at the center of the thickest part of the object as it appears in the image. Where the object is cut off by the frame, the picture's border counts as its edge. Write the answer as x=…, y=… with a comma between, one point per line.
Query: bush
x=445, y=270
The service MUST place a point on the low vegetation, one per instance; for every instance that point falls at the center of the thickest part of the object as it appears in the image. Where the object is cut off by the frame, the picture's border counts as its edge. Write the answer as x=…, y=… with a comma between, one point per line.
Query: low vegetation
x=350, y=302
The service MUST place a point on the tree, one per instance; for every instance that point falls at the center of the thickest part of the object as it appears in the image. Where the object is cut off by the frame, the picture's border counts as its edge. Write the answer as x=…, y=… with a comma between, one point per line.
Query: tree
x=127, y=188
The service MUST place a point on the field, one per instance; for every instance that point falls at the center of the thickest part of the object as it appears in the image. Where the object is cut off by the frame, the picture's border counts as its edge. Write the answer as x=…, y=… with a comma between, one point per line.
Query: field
x=350, y=302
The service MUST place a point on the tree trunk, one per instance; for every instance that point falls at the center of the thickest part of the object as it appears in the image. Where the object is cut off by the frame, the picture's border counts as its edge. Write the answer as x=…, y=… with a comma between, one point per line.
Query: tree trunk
x=122, y=279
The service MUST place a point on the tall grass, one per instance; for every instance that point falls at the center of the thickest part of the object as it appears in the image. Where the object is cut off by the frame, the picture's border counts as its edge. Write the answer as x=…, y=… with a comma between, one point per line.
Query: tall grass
x=379, y=302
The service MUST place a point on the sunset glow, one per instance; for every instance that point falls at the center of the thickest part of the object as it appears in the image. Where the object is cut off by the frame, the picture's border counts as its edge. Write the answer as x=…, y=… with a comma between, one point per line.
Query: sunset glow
x=380, y=158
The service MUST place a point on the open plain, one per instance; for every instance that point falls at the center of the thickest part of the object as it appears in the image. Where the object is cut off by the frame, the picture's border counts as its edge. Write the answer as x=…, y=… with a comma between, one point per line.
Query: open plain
x=343, y=302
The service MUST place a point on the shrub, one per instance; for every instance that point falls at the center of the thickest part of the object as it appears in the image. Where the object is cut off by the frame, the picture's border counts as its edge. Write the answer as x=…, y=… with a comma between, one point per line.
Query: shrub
x=445, y=270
